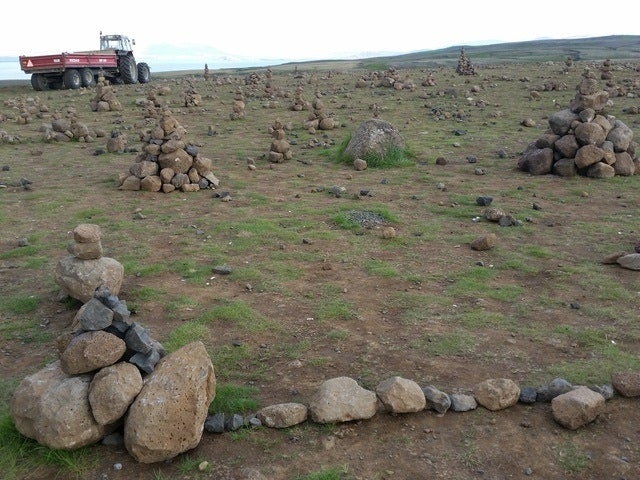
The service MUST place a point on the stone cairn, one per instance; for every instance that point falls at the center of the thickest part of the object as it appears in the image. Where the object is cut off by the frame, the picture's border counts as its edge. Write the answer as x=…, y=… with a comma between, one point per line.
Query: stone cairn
x=113, y=380
x=191, y=97
x=207, y=75
x=105, y=99
x=583, y=139
x=237, y=109
x=299, y=103
x=81, y=272
x=465, y=67
x=168, y=163
x=318, y=119
x=280, y=149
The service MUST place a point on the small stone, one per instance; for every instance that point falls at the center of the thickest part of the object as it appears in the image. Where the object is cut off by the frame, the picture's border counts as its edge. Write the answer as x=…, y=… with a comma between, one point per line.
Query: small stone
x=536, y=206
x=463, y=403
x=528, y=395
x=575, y=305
x=441, y=161
x=222, y=269
x=117, y=467
x=472, y=159
x=203, y=466
x=23, y=241
x=484, y=242
x=214, y=423
x=605, y=390
x=234, y=423
x=484, y=200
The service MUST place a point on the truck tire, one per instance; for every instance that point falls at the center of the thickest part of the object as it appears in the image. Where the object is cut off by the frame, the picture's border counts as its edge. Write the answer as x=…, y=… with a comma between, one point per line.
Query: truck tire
x=71, y=79
x=128, y=70
x=88, y=79
x=39, y=82
x=144, y=73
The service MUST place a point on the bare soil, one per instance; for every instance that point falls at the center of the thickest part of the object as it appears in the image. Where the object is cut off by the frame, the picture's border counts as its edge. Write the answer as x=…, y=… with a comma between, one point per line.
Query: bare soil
x=399, y=321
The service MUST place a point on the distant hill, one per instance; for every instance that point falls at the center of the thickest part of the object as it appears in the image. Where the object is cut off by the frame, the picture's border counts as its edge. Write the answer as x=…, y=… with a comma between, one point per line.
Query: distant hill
x=615, y=47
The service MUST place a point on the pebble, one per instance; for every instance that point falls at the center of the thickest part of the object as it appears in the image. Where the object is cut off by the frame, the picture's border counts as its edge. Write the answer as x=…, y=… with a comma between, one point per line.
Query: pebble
x=117, y=467
x=23, y=242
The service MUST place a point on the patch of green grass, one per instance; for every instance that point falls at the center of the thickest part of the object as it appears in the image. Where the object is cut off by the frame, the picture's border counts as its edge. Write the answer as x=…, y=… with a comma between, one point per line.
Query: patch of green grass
x=146, y=294
x=380, y=268
x=134, y=267
x=597, y=369
x=337, y=334
x=19, y=252
x=238, y=363
x=571, y=457
x=233, y=398
x=335, y=310
x=20, y=455
x=239, y=313
x=179, y=304
x=189, y=464
x=191, y=270
x=19, y=304
x=92, y=214
x=457, y=343
x=536, y=251
x=477, y=318
x=184, y=334
x=327, y=473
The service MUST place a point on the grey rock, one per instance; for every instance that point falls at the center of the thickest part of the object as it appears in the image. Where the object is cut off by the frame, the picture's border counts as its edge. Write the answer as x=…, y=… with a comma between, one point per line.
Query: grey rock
x=116, y=439
x=138, y=339
x=463, y=403
x=556, y=387
x=606, y=390
x=214, y=423
x=93, y=315
x=528, y=395
x=436, y=399
x=145, y=362
x=234, y=423
x=484, y=200
x=630, y=261
x=222, y=269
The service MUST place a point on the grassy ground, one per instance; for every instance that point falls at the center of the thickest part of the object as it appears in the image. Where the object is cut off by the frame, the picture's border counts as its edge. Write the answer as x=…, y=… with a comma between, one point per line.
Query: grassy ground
x=313, y=295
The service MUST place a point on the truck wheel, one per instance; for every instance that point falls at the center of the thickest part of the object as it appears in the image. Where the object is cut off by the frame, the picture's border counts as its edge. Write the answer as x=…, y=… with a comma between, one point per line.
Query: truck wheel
x=128, y=70
x=71, y=79
x=88, y=79
x=39, y=82
x=144, y=73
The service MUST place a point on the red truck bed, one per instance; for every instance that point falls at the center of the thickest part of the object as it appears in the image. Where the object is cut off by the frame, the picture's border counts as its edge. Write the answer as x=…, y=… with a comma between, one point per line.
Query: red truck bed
x=60, y=62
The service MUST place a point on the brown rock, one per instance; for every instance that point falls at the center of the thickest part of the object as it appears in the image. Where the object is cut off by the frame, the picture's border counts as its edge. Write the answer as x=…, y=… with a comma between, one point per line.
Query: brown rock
x=53, y=409
x=589, y=134
x=87, y=233
x=624, y=164
x=341, y=400
x=565, y=167
x=567, y=146
x=627, y=383
x=167, y=417
x=180, y=161
x=85, y=251
x=80, y=278
x=143, y=169
x=152, y=183
x=484, y=242
x=601, y=170
x=131, y=183
x=401, y=395
x=112, y=390
x=497, y=393
x=282, y=415
x=90, y=351
x=359, y=164
x=577, y=408
x=588, y=155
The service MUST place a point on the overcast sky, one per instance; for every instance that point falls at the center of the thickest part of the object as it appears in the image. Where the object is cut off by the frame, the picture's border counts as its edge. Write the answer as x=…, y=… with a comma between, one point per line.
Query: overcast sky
x=298, y=30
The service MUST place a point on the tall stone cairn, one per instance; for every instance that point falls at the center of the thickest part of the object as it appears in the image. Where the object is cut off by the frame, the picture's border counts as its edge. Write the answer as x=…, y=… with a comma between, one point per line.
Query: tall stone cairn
x=583, y=139
x=191, y=97
x=318, y=118
x=207, y=75
x=465, y=67
x=237, y=109
x=105, y=99
x=299, y=103
x=280, y=149
x=168, y=163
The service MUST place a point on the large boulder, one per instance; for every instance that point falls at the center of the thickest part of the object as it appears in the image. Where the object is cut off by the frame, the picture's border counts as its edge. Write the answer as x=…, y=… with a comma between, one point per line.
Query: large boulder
x=374, y=138
x=79, y=278
x=167, y=417
x=577, y=408
x=53, y=408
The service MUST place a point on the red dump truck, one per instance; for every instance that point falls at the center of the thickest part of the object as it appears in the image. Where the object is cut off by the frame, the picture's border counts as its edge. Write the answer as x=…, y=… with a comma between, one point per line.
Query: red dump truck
x=80, y=69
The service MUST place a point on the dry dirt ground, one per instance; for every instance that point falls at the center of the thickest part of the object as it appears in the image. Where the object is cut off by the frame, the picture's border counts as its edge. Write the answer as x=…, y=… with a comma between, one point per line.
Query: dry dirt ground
x=331, y=301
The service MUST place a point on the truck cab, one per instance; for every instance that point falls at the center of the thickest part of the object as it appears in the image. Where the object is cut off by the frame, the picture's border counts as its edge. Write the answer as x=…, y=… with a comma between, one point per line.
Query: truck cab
x=116, y=42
